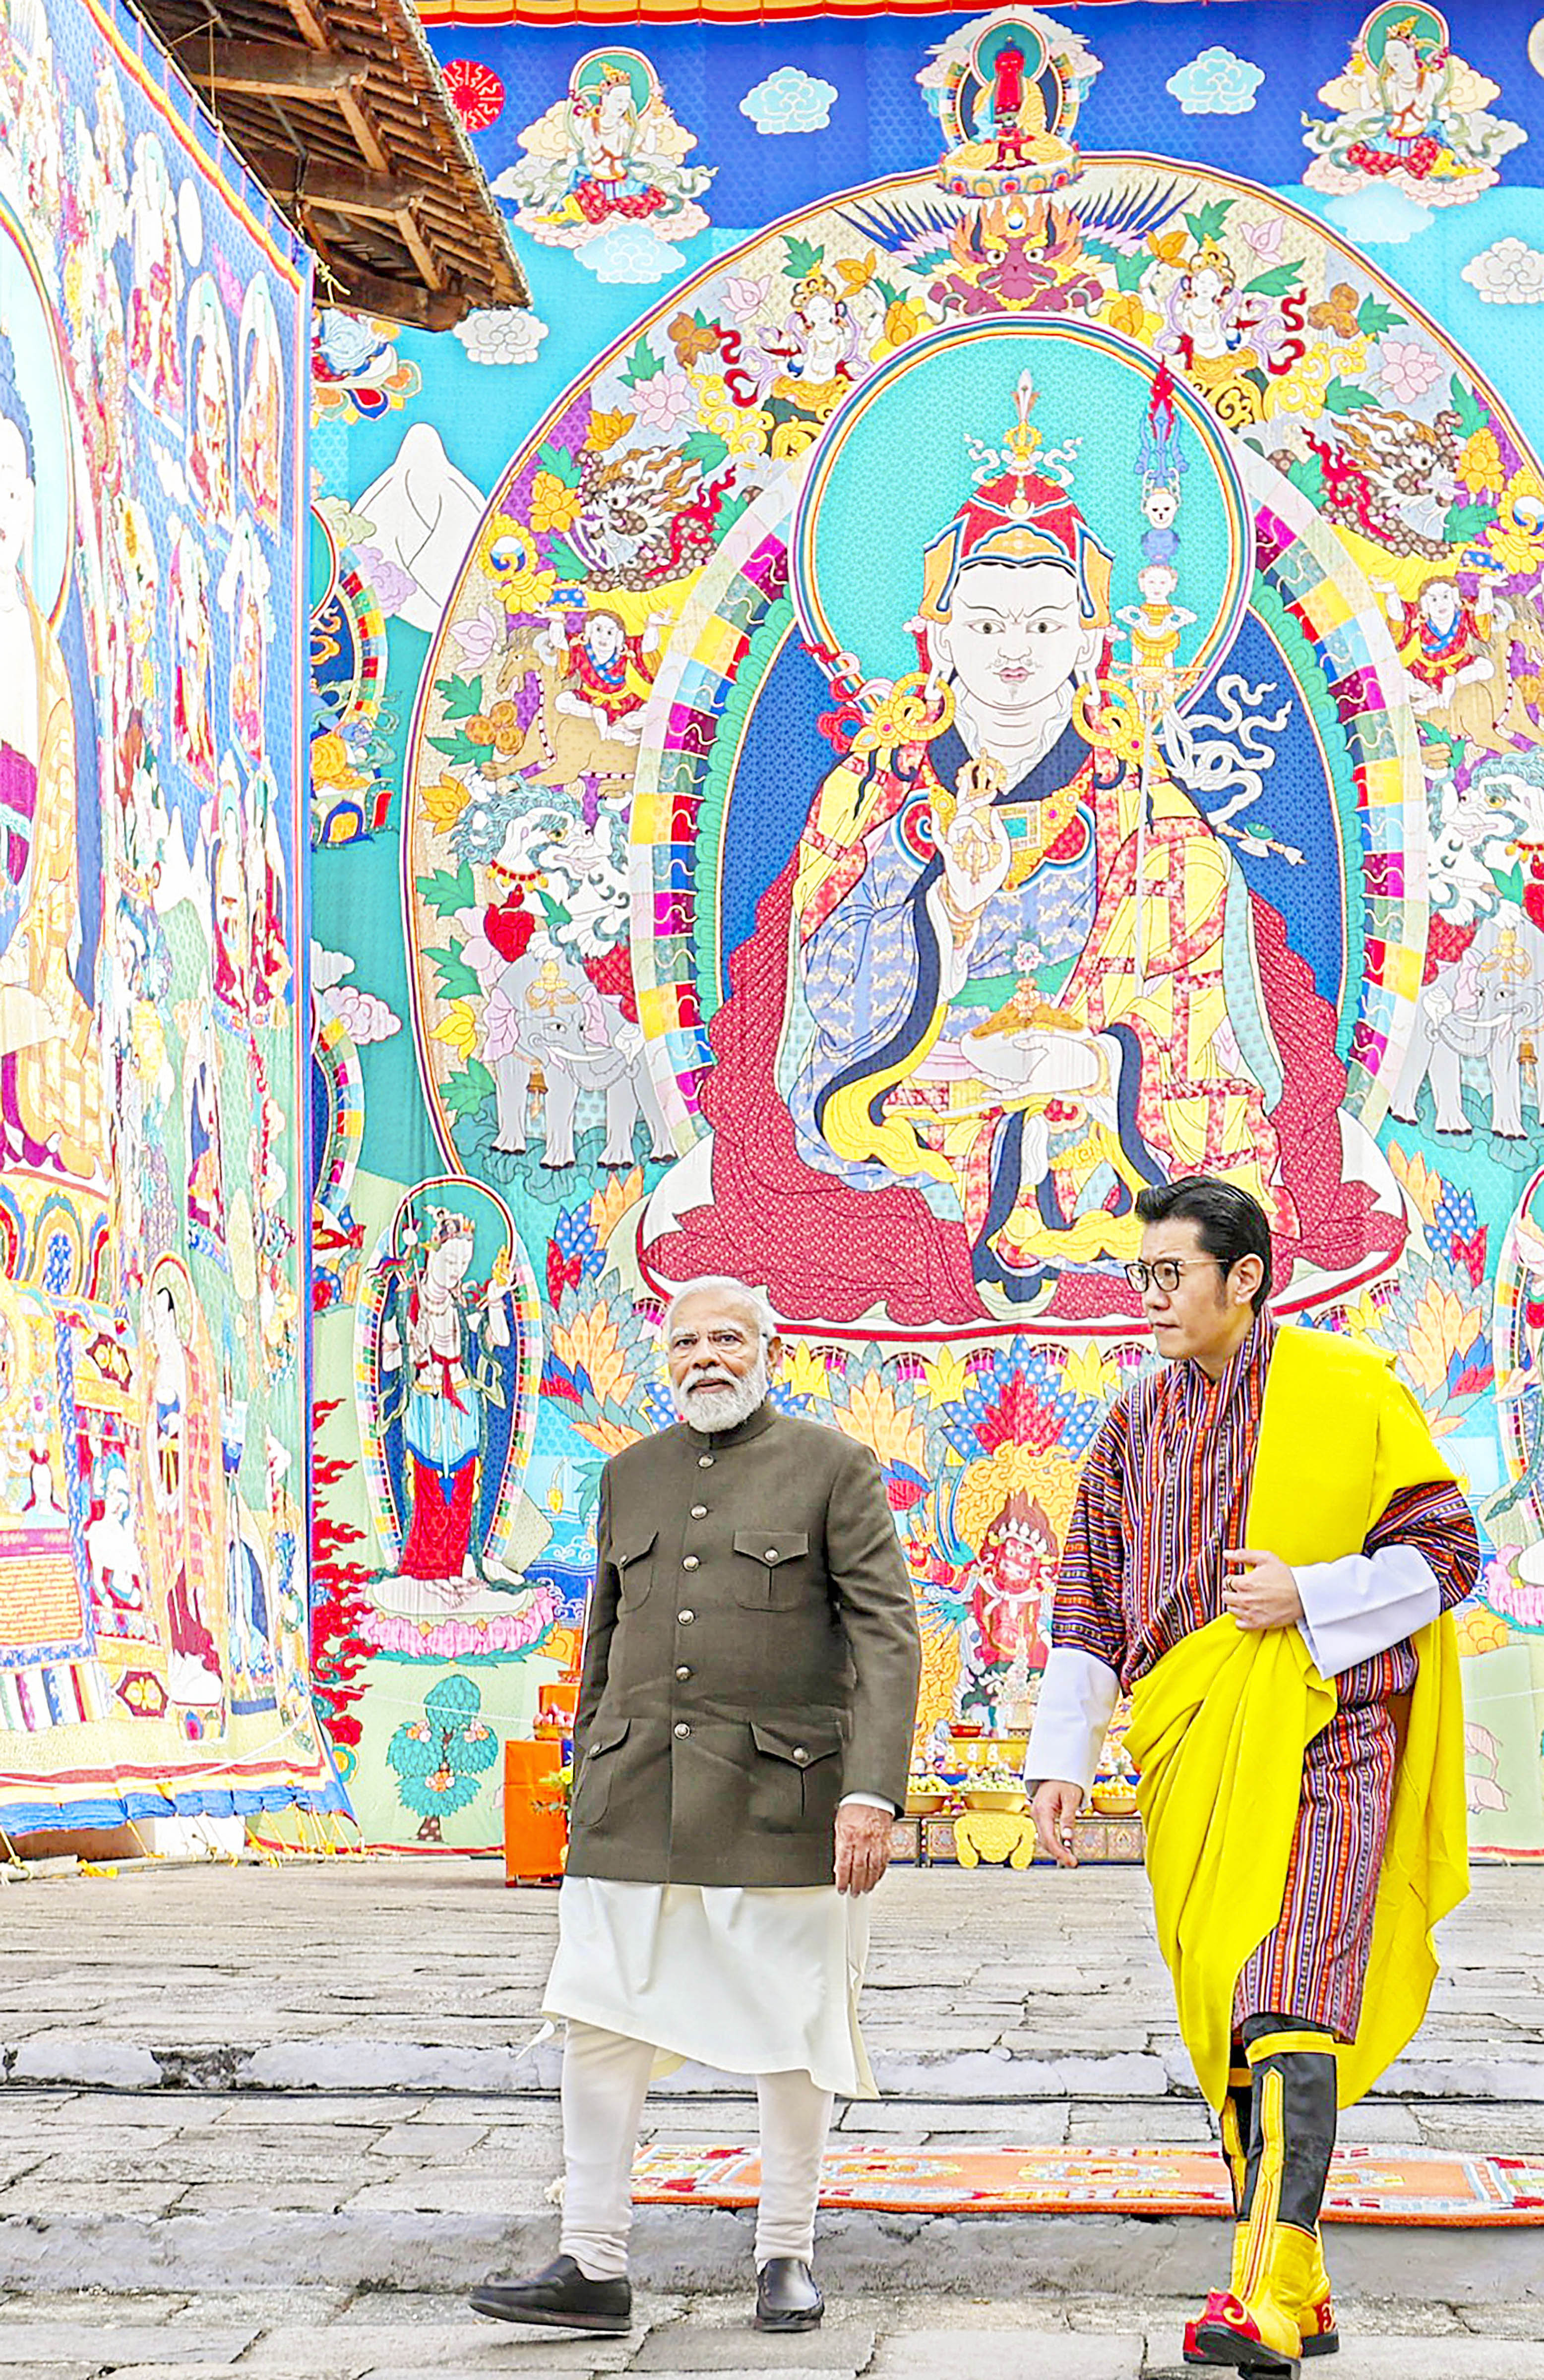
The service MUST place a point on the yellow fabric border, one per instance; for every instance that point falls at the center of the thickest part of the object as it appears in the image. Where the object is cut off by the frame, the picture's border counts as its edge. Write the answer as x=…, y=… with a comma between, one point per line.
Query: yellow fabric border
x=1220, y=1726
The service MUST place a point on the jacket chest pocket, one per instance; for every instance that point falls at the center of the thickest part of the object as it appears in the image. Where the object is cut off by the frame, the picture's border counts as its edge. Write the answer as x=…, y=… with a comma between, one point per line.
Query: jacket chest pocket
x=772, y=1569
x=635, y=1569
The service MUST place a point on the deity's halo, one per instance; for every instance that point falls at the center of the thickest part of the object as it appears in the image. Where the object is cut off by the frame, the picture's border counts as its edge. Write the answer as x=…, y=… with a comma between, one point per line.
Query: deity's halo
x=28, y=322
x=892, y=467
x=1429, y=25
x=597, y=65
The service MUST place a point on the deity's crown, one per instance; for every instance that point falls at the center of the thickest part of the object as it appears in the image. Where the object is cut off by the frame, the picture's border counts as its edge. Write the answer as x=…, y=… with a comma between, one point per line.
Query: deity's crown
x=1211, y=253
x=1021, y=517
x=814, y=284
x=446, y=1225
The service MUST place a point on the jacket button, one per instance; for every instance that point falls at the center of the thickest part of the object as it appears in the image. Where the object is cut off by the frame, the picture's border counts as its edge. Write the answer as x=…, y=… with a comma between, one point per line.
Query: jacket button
x=683, y=1673
x=773, y=1554
x=681, y=1728
x=800, y=1756
x=691, y=1563
x=685, y=1618
x=704, y=1463
x=700, y=1511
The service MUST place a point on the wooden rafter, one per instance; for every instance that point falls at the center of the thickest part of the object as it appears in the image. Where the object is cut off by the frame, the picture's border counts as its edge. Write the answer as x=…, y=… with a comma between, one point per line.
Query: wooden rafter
x=340, y=112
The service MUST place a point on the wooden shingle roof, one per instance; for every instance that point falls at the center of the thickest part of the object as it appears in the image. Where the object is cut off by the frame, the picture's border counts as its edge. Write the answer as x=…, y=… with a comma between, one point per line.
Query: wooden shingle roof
x=338, y=108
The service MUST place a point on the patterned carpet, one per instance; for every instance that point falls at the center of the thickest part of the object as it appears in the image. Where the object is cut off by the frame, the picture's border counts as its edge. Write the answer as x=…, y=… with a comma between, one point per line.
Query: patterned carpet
x=1366, y=2185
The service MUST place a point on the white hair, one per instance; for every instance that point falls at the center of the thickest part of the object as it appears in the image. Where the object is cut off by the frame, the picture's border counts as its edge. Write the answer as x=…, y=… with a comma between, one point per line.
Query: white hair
x=725, y=1285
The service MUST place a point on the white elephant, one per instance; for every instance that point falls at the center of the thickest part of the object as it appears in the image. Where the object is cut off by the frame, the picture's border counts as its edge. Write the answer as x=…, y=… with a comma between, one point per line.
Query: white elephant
x=1483, y=1006
x=543, y=1010
x=561, y=1005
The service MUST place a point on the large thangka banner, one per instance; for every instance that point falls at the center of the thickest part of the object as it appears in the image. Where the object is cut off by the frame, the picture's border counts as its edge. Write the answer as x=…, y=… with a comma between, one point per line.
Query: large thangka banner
x=991, y=654
x=153, y=320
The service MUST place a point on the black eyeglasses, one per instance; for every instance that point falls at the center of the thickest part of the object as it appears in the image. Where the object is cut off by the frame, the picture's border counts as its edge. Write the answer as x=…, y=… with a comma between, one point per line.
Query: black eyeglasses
x=1165, y=1271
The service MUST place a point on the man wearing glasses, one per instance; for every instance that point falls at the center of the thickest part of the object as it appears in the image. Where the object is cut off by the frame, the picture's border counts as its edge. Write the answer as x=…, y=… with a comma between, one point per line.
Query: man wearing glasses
x=741, y=1748
x=1265, y=1553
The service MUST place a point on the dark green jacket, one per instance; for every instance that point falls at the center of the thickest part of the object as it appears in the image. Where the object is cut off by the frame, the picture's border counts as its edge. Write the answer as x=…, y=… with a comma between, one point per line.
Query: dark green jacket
x=751, y=1655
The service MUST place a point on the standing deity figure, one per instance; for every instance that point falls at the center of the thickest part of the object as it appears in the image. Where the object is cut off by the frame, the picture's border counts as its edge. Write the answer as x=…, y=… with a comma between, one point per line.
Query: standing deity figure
x=445, y=1341
x=187, y=1496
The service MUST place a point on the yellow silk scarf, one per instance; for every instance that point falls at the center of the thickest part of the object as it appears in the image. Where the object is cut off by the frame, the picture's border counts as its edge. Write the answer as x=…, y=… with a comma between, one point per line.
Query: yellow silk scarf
x=1220, y=1726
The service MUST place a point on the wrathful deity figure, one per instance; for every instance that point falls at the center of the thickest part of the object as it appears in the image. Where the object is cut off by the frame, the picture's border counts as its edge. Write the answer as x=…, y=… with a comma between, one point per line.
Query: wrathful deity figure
x=997, y=990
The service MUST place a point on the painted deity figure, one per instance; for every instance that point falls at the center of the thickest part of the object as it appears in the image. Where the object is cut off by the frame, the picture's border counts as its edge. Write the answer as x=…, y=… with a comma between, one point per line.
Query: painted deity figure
x=155, y=292
x=816, y=351
x=185, y=1499
x=119, y=1572
x=193, y=652
x=607, y=672
x=605, y=133
x=260, y=423
x=231, y=923
x=1409, y=112
x=1222, y=336
x=444, y=1343
x=1005, y=987
x=609, y=152
x=1011, y=1581
x=206, y=1175
x=1443, y=639
x=1156, y=626
x=269, y=970
x=209, y=441
x=1414, y=78
x=248, y=666
x=50, y=1078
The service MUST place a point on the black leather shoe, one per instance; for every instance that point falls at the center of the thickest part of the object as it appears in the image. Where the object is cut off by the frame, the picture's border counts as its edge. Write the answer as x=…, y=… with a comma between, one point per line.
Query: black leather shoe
x=786, y=2295
x=559, y=2298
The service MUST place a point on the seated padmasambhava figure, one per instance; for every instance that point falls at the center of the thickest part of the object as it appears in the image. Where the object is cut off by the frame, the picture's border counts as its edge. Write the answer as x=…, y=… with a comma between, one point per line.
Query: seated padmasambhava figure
x=986, y=1000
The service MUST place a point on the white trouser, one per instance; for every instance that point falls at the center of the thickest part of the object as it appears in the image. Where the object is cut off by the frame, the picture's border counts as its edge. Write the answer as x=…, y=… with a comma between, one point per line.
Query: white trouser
x=605, y=2078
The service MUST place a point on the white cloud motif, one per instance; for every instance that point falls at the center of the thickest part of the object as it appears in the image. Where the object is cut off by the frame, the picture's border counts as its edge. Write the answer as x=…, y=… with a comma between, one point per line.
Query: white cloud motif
x=328, y=968
x=1508, y=272
x=363, y=1017
x=1378, y=217
x=1216, y=83
x=789, y=100
x=630, y=255
x=501, y=334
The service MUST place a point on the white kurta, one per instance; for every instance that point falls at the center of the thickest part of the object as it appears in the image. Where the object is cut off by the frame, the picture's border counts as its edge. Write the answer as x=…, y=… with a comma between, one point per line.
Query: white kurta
x=752, y=1981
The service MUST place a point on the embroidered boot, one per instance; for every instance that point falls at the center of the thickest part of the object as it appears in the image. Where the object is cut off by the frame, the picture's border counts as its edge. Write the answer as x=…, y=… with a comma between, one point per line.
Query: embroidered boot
x=1316, y=2315
x=1278, y=2285
x=1234, y=2122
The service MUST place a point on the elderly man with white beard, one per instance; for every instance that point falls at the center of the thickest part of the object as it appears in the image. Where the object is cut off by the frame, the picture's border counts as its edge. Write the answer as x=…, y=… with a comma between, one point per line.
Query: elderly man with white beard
x=741, y=1748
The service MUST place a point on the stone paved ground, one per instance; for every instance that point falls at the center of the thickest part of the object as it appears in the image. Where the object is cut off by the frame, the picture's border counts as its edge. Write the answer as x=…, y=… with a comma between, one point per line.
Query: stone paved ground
x=427, y=1973
x=314, y=2335
x=233, y=2095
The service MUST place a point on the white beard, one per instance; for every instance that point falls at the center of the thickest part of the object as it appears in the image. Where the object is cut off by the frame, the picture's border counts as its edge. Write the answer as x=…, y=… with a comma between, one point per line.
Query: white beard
x=725, y=1408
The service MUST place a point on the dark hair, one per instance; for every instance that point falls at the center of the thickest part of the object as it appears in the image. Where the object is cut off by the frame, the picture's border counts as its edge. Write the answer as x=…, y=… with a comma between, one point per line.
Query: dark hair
x=1229, y=1223
x=11, y=408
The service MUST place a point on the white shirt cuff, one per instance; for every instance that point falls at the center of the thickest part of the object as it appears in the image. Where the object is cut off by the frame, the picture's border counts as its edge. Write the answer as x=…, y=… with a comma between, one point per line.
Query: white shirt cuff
x=1363, y=1604
x=1078, y=1693
x=866, y=1802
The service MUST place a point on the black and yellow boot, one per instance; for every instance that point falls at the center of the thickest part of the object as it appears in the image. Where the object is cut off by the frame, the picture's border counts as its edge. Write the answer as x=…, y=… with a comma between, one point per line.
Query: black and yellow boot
x=1278, y=2291
x=1235, y=2125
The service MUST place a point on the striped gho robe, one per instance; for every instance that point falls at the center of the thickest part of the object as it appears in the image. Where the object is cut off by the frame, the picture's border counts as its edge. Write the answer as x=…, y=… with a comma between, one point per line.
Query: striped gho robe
x=1165, y=1488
